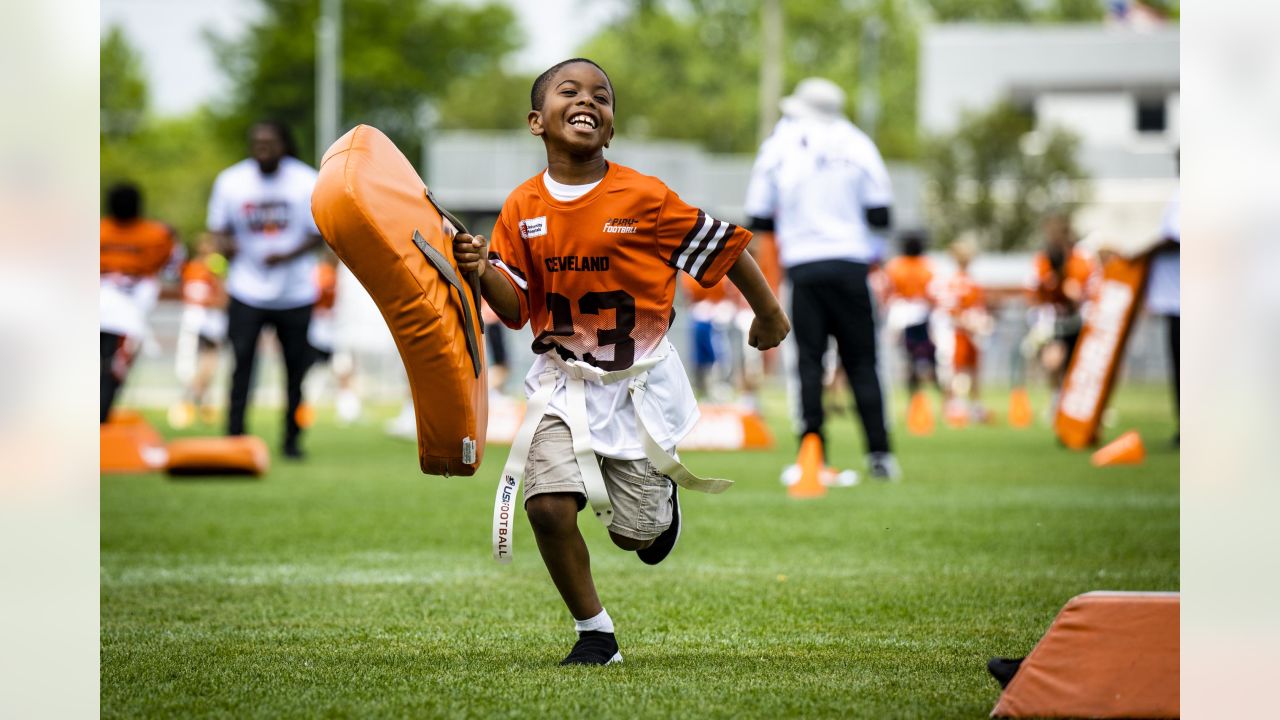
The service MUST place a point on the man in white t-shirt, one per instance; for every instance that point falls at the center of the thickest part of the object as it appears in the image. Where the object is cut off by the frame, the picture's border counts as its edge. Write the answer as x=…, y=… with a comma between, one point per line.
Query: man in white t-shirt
x=1164, y=285
x=261, y=211
x=820, y=184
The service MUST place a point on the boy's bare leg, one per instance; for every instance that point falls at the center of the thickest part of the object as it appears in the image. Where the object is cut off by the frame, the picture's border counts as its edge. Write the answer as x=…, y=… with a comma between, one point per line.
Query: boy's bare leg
x=554, y=518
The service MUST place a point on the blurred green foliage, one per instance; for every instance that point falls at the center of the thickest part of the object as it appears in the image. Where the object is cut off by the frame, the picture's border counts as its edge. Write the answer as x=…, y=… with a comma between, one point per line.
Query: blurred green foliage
x=996, y=177
x=123, y=85
x=398, y=58
x=172, y=160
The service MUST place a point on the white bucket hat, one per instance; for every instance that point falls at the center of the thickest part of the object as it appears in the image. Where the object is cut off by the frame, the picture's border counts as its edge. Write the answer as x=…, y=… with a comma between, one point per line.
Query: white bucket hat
x=814, y=98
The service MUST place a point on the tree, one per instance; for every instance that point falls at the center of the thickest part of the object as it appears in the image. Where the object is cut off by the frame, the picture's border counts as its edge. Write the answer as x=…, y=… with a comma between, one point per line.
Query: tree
x=395, y=58
x=122, y=85
x=173, y=161
x=996, y=176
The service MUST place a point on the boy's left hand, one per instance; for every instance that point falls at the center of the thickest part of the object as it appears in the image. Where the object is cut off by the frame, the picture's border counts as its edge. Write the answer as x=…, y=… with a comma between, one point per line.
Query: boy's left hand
x=768, y=331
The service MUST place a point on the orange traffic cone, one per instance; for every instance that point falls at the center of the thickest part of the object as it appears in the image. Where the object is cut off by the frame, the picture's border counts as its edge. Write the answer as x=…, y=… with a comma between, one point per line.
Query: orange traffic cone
x=920, y=415
x=1020, y=414
x=810, y=461
x=305, y=416
x=1124, y=450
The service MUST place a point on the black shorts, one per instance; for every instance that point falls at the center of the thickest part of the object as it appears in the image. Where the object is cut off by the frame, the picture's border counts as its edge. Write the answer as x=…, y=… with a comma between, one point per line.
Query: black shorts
x=919, y=345
x=494, y=333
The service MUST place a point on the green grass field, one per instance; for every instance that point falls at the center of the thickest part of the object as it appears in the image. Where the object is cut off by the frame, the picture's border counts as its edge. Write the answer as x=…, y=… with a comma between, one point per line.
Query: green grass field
x=352, y=586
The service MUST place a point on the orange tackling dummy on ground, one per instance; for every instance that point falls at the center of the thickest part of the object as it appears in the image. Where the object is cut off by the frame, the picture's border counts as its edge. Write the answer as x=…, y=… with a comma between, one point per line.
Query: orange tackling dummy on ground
x=376, y=214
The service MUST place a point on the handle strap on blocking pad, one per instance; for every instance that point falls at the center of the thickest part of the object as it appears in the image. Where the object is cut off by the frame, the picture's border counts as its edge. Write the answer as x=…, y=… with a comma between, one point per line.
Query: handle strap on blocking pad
x=442, y=266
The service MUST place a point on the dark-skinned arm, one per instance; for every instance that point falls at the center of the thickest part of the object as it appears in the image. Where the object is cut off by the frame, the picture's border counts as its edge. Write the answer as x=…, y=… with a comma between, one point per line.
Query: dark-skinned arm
x=472, y=255
x=770, y=325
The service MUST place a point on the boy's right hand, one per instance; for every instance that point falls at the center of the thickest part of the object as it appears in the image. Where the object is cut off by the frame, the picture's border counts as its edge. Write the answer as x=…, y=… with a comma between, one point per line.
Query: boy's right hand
x=471, y=252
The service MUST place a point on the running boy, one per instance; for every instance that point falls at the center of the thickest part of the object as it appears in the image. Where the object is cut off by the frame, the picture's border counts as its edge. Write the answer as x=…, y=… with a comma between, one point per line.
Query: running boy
x=587, y=252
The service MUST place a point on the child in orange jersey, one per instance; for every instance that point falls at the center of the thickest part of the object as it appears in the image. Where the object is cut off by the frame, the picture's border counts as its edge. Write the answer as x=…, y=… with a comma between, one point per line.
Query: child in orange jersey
x=588, y=252
x=908, y=279
x=132, y=252
x=1059, y=288
x=961, y=299
x=202, y=330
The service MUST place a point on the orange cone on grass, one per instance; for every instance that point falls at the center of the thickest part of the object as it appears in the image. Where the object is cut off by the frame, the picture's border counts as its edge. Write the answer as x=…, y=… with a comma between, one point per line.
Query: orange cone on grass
x=920, y=415
x=1124, y=450
x=1020, y=414
x=810, y=461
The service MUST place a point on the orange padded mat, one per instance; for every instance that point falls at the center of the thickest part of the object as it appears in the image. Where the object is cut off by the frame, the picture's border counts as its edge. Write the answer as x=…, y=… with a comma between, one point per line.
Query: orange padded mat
x=1106, y=655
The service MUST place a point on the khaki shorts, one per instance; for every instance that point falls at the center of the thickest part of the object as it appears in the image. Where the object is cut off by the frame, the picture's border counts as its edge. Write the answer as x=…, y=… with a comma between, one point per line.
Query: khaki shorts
x=641, y=495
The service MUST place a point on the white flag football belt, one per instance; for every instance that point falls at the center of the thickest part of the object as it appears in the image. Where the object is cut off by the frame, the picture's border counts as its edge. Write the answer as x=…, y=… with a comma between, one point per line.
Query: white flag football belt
x=577, y=374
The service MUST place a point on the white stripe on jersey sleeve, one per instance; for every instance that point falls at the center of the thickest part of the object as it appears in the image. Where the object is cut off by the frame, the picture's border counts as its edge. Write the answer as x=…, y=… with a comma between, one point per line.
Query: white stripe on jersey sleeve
x=707, y=223
x=710, y=249
x=514, y=277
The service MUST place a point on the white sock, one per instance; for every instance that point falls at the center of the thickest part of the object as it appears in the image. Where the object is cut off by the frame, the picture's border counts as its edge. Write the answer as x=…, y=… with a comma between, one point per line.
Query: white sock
x=599, y=623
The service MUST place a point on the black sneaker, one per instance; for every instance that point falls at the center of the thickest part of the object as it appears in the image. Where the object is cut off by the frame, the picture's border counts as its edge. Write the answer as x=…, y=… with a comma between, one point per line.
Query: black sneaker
x=664, y=543
x=1003, y=669
x=594, y=648
x=292, y=451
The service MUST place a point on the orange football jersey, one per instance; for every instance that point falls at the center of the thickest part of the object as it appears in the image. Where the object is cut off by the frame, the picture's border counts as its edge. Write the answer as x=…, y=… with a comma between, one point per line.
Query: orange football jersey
x=596, y=276
x=138, y=248
x=960, y=293
x=326, y=285
x=201, y=286
x=909, y=277
x=1049, y=289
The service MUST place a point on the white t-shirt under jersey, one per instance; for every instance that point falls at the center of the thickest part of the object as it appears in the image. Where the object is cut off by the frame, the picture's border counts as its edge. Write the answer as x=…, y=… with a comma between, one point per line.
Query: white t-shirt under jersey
x=816, y=179
x=267, y=214
x=670, y=409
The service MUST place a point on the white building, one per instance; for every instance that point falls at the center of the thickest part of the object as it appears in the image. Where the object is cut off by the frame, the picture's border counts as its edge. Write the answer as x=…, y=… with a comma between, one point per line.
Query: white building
x=1116, y=88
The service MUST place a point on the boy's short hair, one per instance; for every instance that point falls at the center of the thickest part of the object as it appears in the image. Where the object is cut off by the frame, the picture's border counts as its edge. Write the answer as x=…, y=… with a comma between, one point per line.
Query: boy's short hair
x=124, y=201
x=539, y=89
x=913, y=243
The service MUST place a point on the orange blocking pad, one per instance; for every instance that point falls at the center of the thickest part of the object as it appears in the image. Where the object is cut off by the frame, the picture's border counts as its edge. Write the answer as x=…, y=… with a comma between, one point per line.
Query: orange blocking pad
x=128, y=444
x=1096, y=360
x=373, y=210
x=1106, y=655
x=728, y=427
x=237, y=455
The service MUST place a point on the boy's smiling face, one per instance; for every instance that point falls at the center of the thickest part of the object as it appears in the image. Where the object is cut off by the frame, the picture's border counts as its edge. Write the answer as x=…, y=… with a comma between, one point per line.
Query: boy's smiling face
x=577, y=111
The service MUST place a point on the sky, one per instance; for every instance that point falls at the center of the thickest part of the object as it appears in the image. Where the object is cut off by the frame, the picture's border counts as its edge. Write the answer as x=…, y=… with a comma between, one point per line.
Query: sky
x=183, y=73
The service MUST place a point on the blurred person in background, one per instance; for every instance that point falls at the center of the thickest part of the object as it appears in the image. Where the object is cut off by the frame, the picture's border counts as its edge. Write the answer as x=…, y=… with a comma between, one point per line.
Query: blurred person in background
x=496, y=344
x=321, y=334
x=909, y=302
x=132, y=252
x=202, y=331
x=1059, y=288
x=820, y=184
x=710, y=312
x=964, y=314
x=1163, y=288
x=260, y=210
